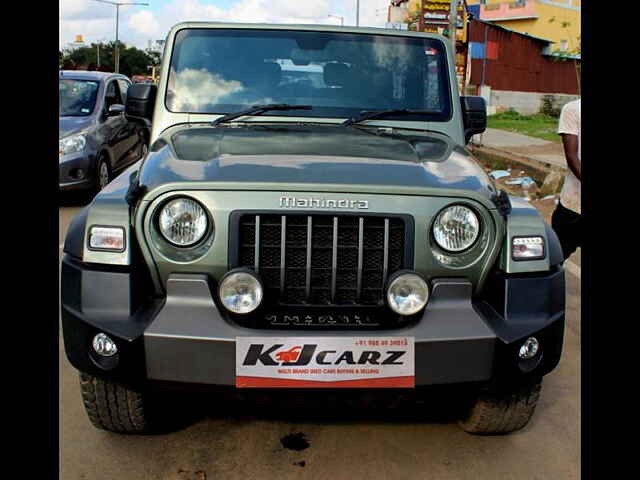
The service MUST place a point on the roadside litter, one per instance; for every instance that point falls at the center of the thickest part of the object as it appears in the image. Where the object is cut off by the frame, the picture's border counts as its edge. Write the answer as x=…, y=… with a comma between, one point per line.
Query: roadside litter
x=524, y=182
x=499, y=174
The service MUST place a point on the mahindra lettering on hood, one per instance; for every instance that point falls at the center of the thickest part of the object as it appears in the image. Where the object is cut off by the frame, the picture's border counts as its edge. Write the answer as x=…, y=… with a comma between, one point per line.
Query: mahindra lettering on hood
x=325, y=362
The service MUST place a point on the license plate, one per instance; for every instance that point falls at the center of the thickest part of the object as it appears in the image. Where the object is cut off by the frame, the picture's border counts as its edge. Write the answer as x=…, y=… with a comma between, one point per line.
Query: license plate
x=325, y=362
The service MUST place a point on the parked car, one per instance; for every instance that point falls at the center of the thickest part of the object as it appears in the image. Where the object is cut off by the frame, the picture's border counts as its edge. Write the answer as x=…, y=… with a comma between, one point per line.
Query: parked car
x=332, y=231
x=97, y=141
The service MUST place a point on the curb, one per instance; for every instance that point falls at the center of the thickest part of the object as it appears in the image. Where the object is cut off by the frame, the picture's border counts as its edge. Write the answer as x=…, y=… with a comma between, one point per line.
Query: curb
x=518, y=158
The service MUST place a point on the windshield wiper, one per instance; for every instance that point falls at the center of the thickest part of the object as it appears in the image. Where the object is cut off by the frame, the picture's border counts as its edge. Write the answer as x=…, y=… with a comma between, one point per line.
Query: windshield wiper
x=257, y=110
x=371, y=115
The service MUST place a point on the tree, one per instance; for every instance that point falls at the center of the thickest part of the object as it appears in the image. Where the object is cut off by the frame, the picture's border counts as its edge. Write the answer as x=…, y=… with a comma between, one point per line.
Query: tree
x=132, y=60
x=155, y=56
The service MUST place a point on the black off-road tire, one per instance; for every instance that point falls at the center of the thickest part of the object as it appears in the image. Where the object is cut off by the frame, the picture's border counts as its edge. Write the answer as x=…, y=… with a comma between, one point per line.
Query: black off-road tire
x=503, y=409
x=114, y=407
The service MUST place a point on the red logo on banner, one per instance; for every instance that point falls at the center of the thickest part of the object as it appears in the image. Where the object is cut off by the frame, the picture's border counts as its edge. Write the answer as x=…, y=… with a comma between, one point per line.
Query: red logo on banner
x=289, y=356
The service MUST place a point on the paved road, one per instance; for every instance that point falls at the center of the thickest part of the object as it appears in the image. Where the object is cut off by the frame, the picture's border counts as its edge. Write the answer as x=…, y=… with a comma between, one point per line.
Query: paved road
x=381, y=444
x=535, y=148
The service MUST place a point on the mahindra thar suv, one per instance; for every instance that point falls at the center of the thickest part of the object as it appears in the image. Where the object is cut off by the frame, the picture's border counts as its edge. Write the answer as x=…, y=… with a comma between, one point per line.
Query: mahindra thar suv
x=308, y=216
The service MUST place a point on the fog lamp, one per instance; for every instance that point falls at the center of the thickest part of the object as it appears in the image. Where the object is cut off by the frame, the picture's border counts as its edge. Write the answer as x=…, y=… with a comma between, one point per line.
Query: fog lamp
x=77, y=173
x=529, y=348
x=240, y=291
x=104, y=346
x=407, y=293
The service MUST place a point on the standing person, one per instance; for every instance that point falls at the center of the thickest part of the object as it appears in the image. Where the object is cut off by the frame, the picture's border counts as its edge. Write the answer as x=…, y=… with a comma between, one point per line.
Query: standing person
x=567, y=217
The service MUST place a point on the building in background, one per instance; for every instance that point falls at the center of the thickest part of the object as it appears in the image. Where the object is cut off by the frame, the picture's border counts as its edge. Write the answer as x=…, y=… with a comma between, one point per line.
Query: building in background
x=520, y=54
x=433, y=16
x=513, y=70
x=155, y=50
x=555, y=20
x=156, y=46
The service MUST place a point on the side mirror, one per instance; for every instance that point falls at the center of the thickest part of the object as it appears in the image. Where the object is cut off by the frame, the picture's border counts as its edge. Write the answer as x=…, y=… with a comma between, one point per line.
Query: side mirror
x=141, y=98
x=474, y=116
x=115, y=110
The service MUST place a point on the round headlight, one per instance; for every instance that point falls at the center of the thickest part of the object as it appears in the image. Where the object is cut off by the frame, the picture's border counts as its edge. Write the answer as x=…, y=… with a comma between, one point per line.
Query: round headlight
x=183, y=222
x=456, y=228
x=407, y=294
x=240, y=292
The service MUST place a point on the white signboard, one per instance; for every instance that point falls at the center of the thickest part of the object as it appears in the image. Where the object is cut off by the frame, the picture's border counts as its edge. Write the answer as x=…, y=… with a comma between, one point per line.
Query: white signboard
x=397, y=26
x=325, y=362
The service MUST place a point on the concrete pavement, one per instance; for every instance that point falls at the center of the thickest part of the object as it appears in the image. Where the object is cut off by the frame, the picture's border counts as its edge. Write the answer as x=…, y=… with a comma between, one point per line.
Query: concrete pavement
x=516, y=144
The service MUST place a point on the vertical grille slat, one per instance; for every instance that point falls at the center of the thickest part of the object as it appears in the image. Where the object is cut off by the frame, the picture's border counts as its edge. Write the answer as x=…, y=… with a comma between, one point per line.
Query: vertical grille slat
x=334, y=259
x=322, y=260
x=385, y=261
x=309, y=249
x=283, y=249
x=360, y=254
x=256, y=255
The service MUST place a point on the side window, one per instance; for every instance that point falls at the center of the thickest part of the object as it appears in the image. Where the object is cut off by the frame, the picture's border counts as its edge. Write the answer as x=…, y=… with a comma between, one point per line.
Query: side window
x=124, y=86
x=112, y=94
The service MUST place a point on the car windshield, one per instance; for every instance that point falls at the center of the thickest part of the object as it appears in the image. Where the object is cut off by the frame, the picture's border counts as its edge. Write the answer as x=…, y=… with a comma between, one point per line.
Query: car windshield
x=77, y=97
x=338, y=74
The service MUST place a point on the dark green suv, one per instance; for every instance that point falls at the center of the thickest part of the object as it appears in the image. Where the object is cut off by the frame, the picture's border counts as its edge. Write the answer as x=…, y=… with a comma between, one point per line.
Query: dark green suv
x=309, y=217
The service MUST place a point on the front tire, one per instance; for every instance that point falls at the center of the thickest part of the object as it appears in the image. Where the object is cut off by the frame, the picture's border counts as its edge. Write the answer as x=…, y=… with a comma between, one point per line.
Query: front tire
x=503, y=409
x=114, y=407
x=103, y=173
x=144, y=149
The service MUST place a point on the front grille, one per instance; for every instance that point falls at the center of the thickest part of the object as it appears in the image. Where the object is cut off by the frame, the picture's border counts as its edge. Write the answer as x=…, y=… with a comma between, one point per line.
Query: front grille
x=322, y=259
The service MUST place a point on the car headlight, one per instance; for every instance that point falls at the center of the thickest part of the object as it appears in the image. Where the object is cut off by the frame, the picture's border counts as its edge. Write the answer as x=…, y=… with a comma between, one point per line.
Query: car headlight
x=183, y=222
x=72, y=144
x=456, y=228
x=240, y=291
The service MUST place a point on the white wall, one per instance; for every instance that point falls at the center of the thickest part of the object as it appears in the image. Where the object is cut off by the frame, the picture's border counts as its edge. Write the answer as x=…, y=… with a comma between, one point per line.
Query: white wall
x=526, y=103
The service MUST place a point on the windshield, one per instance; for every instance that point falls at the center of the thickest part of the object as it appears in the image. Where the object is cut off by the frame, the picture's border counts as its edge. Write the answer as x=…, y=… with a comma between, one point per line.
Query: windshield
x=77, y=97
x=338, y=74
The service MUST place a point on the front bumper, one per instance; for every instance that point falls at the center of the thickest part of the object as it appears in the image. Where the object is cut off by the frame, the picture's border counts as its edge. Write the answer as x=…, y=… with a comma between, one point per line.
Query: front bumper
x=70, y=165
x=184, y=338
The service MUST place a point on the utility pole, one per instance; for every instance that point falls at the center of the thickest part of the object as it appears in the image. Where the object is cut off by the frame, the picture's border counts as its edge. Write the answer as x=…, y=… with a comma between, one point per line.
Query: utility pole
x=357, y=13
x=117, y=47
x=453, y=21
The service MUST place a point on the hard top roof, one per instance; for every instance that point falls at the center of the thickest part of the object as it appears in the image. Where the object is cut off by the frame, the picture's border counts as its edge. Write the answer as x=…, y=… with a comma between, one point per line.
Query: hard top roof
x=304, y=27
x=89, y=75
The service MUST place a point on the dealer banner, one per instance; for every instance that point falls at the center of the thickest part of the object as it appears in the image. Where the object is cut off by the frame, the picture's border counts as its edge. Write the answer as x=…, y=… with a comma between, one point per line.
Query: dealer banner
x=325, y=362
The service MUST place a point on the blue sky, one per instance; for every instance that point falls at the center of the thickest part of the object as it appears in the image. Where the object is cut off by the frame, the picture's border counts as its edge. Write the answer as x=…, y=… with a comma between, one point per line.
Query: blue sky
x=96, y=21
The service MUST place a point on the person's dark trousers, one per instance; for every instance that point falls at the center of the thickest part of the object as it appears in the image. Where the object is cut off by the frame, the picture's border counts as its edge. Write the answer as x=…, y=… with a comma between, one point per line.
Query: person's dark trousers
x=568, y=226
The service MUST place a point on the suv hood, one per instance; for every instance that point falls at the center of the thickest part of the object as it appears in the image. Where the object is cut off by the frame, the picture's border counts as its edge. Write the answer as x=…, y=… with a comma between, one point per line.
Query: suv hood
x=277, y=157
